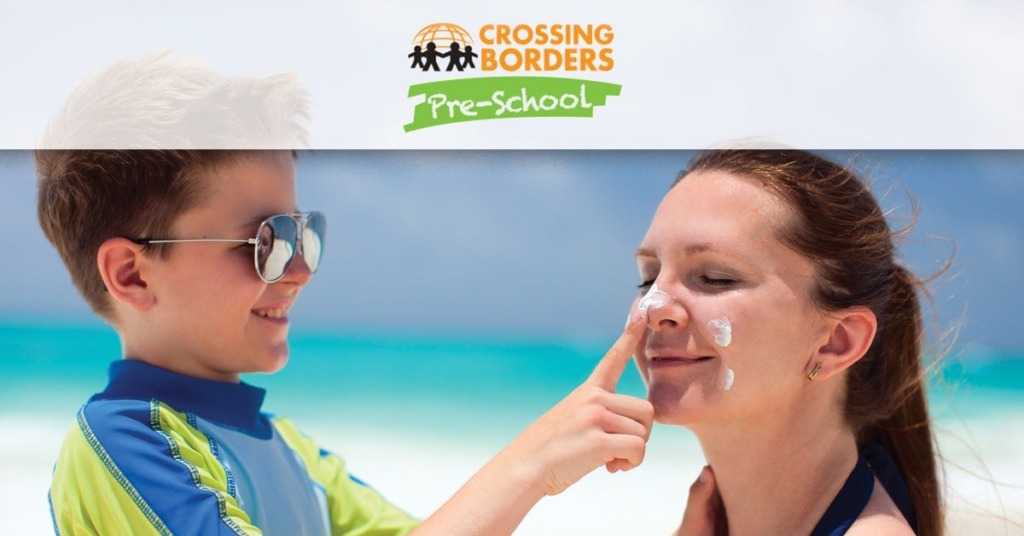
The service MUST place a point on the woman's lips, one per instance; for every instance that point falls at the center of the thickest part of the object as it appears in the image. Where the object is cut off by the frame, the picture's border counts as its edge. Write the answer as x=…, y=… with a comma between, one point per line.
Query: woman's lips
x=675, y=361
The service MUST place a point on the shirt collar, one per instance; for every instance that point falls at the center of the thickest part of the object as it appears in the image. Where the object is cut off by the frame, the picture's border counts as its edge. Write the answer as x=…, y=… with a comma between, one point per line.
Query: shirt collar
x=234, y=404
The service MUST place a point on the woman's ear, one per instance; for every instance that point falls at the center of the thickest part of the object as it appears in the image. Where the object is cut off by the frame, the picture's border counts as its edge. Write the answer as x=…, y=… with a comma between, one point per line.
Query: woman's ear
x=122, y=267
x=850, y=336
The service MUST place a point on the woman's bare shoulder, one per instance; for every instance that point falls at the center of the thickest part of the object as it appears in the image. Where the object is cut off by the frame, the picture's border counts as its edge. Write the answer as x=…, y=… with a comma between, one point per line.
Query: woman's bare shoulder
x=880, y=516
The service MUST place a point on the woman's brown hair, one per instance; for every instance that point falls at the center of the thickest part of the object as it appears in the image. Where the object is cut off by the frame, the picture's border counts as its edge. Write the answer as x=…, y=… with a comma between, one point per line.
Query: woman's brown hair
x=839, y=225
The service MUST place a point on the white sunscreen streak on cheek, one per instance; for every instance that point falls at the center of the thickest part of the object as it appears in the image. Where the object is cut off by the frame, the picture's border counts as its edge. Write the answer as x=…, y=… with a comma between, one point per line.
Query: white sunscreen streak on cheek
x=722, y=329
x=729, y=377
x=653, y=299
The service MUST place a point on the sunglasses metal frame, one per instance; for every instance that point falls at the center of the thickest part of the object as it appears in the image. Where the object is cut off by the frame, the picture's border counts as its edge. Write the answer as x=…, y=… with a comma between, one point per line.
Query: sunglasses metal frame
x=300, y=219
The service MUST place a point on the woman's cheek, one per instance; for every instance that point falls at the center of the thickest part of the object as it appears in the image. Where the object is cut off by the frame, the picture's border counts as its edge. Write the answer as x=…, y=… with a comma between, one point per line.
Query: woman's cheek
x=638, y=357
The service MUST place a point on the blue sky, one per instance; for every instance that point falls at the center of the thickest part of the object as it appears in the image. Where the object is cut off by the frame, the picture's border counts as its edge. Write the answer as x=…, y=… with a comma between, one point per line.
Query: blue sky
x=521, y=244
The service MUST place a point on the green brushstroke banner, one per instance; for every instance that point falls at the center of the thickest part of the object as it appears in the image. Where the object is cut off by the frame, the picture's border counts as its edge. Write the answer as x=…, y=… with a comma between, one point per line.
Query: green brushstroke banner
x=506, y=97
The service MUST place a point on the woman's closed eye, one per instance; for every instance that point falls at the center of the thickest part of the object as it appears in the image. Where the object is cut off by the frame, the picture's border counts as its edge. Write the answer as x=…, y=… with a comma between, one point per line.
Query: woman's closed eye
x=704, y=280
x=716, y=281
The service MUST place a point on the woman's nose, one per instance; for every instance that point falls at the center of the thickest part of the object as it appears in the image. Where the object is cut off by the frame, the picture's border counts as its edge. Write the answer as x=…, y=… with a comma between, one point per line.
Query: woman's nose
x=664, y=311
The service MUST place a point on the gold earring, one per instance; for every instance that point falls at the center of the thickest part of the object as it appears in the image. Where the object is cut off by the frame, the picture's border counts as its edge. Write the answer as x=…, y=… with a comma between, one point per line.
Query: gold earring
x=814, y=373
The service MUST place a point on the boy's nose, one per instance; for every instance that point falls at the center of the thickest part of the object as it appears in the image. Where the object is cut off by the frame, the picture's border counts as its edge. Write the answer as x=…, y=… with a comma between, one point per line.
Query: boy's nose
x=298, y=273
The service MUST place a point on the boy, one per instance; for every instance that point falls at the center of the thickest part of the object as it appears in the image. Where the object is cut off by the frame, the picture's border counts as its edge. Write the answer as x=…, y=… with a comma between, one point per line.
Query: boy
x=195, y=258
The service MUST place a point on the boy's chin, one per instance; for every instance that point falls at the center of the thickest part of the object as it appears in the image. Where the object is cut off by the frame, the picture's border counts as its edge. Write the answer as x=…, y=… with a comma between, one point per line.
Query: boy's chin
x=270, y=369
x=270, y=363
x=276, y=365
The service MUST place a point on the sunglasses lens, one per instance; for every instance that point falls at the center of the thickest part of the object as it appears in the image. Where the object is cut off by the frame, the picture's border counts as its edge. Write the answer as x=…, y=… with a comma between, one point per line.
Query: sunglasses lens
x=275, y=247
x=313, y=240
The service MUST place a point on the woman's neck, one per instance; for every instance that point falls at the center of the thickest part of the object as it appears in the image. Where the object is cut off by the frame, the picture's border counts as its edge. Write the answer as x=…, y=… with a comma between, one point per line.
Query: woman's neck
x=779, y=479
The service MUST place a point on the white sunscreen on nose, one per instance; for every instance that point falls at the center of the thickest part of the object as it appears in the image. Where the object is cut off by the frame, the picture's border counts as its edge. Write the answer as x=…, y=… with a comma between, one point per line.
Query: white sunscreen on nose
x=722, y=329
x=653, y=299
x=729, y=377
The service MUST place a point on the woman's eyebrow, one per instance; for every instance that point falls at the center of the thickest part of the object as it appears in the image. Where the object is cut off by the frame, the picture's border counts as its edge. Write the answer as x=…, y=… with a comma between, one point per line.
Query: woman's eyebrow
x=645, y=252
x=694, y=249
x=743, y=262
x=690, y=250
x=705, y=247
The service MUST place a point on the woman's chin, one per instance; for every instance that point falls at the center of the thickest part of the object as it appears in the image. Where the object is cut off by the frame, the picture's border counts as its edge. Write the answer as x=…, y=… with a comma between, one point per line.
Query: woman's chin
x=676, y=417
x=678, y=409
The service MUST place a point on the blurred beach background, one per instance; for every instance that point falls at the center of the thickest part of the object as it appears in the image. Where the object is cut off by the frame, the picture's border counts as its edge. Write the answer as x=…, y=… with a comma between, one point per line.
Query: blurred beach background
x=464, y=293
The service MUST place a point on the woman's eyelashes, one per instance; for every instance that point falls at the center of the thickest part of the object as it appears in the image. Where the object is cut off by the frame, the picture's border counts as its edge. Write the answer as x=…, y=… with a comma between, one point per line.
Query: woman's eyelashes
x=716, y=281
x=702, y=280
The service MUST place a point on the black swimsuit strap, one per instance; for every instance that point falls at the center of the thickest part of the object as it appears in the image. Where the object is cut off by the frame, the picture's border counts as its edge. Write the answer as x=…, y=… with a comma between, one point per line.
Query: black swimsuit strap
x=889, y=475
x=856, y=492
x=847, y=506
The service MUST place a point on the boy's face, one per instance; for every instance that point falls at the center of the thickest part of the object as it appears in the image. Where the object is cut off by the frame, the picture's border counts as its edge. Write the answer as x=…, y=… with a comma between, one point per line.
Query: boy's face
x=210, y=305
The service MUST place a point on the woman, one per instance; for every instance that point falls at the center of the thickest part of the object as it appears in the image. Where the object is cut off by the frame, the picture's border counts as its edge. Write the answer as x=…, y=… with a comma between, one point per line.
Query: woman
x=784, y=334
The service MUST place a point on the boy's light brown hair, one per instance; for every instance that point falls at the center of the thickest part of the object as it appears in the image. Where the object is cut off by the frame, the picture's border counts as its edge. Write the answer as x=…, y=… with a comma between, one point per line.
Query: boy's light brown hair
x=126, y=155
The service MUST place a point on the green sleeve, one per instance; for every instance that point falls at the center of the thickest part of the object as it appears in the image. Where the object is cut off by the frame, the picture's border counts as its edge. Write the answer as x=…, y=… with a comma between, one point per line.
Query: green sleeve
x=355, y=508
x=149, y=476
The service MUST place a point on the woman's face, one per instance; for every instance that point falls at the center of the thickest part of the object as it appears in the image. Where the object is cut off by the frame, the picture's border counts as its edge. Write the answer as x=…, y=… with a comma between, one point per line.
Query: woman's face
x=737, y=329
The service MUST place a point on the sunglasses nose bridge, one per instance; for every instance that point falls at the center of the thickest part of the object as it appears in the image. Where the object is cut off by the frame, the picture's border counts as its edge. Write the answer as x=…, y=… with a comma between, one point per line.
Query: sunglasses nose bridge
x=297, y=264
x=300, y=223
x=300, y=227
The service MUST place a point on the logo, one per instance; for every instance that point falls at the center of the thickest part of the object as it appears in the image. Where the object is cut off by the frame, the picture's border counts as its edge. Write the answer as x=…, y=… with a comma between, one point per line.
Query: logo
x=517, y=61
x=456, y=42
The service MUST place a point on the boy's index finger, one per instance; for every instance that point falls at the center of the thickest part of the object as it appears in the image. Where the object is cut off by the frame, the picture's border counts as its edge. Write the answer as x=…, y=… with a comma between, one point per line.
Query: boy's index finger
x=608, y=371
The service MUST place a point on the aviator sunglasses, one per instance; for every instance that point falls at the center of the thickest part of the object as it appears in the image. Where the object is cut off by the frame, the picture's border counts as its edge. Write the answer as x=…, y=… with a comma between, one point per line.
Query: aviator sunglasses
x=277, y=242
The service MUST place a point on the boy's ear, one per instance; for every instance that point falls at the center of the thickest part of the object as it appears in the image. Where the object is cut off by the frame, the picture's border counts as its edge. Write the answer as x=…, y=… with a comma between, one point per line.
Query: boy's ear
x=850, y=336
x=121, y=266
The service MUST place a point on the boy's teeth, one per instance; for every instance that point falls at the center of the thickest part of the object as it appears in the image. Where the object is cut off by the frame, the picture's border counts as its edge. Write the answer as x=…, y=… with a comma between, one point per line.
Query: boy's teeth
x=272, y=313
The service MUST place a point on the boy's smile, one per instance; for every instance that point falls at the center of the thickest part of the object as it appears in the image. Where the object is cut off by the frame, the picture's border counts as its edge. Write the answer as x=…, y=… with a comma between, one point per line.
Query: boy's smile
x=277, y=312
x=213, y=317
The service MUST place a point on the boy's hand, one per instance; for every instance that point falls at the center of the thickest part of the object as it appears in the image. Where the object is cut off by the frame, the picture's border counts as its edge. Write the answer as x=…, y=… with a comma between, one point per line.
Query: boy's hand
x=591, y=427
x=704, y=515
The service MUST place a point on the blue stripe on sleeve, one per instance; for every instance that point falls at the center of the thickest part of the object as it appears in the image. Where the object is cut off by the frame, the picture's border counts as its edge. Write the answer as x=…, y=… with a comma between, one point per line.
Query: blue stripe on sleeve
x=145, y=457
x=53, y=518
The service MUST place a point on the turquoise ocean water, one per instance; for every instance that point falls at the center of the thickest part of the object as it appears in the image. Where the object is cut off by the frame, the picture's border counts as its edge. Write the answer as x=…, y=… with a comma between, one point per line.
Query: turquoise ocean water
x=418, y=415
x=437, y=385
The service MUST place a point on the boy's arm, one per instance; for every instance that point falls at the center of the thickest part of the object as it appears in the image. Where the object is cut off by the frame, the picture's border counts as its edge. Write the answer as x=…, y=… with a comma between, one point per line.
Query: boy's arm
x=124, y=469
x=353, y=506
x=591, y=427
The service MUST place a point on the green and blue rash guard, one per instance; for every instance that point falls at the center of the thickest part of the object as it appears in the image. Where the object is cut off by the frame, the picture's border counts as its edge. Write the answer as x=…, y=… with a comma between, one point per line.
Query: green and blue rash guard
x=161, y=453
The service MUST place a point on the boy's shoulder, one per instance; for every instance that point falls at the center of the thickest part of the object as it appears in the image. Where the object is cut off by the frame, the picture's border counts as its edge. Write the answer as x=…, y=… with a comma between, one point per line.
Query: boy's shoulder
x=128, y=436
x=141, y=462
x=123, y=419
x=154, y=462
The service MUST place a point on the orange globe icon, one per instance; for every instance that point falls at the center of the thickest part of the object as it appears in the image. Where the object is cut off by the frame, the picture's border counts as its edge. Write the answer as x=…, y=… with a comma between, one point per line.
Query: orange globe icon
x=442, y=34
